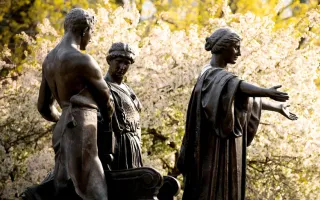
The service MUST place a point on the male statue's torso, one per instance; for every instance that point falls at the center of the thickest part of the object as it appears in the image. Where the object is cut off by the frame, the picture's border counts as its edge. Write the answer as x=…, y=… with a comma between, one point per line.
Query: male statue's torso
x=60, y=71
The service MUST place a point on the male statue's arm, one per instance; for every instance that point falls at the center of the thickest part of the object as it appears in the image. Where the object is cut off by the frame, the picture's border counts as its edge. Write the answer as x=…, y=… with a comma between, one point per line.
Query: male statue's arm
x=46, y=102
x=255, y=91
x=278, y=107
x=98, y=87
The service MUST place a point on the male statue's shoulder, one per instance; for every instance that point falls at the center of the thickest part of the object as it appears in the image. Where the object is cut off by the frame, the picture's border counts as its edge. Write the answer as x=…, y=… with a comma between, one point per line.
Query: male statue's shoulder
x=88, y=59
x=48, y=60
x=88, y=65
x=82, y=59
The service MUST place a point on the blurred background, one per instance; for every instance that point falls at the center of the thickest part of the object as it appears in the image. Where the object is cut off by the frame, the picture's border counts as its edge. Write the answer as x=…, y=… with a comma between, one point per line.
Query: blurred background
x=281, y=45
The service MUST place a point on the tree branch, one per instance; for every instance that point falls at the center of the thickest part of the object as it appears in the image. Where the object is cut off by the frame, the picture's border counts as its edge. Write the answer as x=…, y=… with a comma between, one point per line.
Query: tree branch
x=157, y=135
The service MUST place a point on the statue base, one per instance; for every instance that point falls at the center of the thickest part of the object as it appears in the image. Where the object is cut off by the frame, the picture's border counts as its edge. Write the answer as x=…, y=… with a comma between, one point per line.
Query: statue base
x=133, y=184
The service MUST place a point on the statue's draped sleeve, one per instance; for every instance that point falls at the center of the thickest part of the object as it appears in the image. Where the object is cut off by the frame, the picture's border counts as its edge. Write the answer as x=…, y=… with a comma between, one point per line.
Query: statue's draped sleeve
x=218, y=94
x=227, y=111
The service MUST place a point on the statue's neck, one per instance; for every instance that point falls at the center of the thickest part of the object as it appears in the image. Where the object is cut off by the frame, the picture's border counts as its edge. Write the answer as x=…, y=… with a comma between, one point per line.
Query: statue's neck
x=70, y=39
x=113, y=79
x=218, y=61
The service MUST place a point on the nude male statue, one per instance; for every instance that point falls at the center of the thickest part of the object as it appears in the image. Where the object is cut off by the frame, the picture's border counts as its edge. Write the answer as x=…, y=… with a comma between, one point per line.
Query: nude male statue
x=75, y=81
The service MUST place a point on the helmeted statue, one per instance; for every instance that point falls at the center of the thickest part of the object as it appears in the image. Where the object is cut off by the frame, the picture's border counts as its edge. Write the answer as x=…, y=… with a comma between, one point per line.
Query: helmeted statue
x=119, y=139
x=125, y=123
x=222, y=119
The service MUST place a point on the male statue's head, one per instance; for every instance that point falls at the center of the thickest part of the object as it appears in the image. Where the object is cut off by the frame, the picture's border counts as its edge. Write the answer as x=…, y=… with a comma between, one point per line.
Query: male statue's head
x=225, y=42
x=80, y=24
x=119, y=58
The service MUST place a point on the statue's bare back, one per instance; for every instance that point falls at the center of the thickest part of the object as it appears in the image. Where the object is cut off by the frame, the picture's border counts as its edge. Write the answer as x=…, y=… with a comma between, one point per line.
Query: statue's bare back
x=63, y=69
x=75, y=81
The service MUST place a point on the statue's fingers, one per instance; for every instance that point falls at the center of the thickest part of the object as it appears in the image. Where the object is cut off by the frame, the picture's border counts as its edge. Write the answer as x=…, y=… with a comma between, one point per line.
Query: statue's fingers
x=293, y=116
x=280, y=98
x=277, y=86
x=282, y=93
x=283, y=97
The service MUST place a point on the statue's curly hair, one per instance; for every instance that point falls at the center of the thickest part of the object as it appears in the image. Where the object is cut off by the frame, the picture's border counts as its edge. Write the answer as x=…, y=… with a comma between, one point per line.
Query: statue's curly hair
x=78, y=19
x=221, y=39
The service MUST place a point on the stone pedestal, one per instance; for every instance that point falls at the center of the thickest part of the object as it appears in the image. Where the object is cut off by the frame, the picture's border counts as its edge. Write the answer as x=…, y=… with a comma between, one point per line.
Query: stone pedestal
x=134, y=184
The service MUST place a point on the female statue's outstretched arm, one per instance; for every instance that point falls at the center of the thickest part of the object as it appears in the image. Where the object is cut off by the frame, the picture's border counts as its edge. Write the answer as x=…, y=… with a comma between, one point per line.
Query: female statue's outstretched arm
x=278, y=107
x=255, y=91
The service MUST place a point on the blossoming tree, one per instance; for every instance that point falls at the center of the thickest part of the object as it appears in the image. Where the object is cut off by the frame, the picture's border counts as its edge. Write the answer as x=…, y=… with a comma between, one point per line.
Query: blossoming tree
x=283, y=159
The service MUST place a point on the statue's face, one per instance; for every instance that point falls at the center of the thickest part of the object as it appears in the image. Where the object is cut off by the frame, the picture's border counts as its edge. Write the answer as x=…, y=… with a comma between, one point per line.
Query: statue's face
x=232, y=53
x=119, y=66
x=86, y=38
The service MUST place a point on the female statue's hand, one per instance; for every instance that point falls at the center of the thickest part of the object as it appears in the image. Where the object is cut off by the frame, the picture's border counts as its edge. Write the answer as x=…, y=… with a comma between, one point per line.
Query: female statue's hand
x=285, y=112
x=276, y=95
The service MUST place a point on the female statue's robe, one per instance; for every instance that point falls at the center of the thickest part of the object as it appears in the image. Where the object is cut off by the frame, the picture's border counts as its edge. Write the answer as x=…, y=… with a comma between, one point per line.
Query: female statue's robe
x=221, y=123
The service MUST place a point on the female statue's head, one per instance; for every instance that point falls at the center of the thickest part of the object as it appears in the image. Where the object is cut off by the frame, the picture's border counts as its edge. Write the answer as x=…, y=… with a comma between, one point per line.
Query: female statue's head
x=225, y=42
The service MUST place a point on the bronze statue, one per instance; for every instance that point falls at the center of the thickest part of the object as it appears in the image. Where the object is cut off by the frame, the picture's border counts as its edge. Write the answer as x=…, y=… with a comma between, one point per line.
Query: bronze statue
x=119, y=145
x=222, y=119
x=119, y=140
x=126, y=118
x=75, y=80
